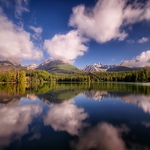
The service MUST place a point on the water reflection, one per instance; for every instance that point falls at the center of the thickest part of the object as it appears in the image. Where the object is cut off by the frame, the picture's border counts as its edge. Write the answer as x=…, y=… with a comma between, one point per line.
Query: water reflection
x=66, y=117
x=96, y=95
x=140, y=100
x=103, y=136
x=15, y=120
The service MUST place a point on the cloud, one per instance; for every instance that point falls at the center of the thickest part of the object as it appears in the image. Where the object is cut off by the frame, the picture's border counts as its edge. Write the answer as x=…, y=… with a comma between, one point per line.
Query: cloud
x=105, y=21
x=66, y=46
x=142, y=60
x=65, y=117
x=15, y=42
x=15, y=120
x=37, y=31
x=104, y=136
x=18, y=6
x=143, y=40
x=21, y=6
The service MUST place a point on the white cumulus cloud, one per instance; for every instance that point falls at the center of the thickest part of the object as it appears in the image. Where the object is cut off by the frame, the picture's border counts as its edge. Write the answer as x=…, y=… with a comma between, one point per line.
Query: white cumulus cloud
x=66, y=46
x=105, y=21
x=15, y=41
x=142, y=60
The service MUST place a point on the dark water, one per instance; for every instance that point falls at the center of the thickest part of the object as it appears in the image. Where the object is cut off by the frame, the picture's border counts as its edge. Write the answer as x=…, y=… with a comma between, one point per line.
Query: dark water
x=105, y=116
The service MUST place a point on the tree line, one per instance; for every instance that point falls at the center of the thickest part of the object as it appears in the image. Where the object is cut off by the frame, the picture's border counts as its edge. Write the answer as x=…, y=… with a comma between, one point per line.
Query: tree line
x=23, y=76
x=40, y=76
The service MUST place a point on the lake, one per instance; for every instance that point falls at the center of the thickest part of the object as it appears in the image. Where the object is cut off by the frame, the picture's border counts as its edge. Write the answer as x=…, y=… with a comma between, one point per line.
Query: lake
x=104, y=116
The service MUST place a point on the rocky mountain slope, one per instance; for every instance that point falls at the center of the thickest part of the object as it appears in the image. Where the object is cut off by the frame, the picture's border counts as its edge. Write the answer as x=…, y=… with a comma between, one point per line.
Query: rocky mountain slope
x=97, y=67
x=31, y=66
x=9, y=64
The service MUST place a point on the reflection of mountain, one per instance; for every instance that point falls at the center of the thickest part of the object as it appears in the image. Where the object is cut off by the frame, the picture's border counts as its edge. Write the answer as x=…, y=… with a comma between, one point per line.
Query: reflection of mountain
x=12, y=101
x=15, y=120
x=96, y=95
x=65, y=117
x=59, y=95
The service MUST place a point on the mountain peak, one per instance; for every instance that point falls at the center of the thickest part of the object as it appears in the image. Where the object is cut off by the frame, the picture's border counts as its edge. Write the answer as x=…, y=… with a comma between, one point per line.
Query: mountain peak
x=58, y=66
x=32, y=66
x=95, y=67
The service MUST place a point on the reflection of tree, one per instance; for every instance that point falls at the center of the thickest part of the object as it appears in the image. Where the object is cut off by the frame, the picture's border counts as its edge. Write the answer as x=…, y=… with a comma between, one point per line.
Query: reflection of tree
x=11, y=91
x=65, y=117
x=57, y=93
x=15, y=120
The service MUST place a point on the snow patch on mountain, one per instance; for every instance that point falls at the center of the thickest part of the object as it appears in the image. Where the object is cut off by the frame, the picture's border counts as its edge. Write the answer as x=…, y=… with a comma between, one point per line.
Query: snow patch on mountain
x=96, y=67
x=32, y=66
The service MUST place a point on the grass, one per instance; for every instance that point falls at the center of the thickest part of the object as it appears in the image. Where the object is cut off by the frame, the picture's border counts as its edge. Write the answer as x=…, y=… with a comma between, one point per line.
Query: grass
x=63, y=69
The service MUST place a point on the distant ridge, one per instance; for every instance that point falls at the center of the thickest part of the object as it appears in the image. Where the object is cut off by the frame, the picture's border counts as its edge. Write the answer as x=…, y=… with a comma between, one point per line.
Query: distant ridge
x=97, y=67
x=10, y=64
x=110, y=68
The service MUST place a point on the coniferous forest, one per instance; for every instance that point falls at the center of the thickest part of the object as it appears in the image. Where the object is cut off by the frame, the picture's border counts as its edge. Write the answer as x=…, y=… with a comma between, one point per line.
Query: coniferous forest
x=40, y=76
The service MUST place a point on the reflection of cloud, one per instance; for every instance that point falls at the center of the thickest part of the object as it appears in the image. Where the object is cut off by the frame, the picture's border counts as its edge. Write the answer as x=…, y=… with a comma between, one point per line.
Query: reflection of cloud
x=103, y=137
x=146, y=124
x=96, y=95
x=140, y=100
x=35, y=136
x=65, y=117
x=15, y=120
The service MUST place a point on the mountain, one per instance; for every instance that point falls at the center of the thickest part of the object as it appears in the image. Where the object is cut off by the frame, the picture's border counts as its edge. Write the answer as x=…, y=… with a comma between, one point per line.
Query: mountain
x=97, y=67
x=58, y=67
x=120, y=68
x=111, y=68
x=9, y=64
x=31, y=66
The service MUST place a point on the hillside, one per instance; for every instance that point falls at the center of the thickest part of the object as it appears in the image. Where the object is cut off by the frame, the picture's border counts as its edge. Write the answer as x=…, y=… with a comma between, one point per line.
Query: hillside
x=9, y=64
x=58, y=67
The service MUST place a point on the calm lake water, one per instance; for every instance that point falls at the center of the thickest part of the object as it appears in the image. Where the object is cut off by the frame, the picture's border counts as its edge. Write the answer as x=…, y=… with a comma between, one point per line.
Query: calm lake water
x=104, y=116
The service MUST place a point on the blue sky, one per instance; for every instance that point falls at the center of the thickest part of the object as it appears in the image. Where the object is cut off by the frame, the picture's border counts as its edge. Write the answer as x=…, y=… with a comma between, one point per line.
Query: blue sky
x=79, y=31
